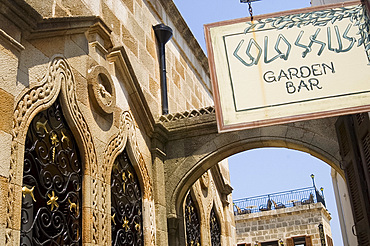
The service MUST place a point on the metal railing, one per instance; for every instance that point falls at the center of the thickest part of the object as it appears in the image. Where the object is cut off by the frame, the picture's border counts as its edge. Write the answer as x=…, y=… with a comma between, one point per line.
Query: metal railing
x=278, y=200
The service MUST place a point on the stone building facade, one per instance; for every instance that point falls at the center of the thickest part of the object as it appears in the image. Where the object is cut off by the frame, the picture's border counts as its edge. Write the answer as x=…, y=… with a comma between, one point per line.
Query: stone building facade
x=284, y=225
x=82, y=78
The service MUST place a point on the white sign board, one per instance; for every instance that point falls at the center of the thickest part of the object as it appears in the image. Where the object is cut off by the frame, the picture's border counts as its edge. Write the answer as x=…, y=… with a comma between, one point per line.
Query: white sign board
x=304, y=64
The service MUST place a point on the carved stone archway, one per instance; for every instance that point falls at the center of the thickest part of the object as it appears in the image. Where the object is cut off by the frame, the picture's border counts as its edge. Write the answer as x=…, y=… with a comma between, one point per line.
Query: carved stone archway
x=194, y=146
x=58, y=80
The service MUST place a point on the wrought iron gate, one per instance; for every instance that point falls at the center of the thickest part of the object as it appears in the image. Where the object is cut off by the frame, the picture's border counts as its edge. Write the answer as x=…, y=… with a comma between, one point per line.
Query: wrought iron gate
x=192, y=223
x=215, y=229
x=126, y=208
x=52, y=175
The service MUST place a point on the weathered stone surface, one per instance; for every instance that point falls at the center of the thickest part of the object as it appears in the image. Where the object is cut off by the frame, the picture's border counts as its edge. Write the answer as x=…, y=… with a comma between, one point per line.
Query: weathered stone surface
x=5, y=148
x=6, y=111
x=3, y=199
x=282, y=223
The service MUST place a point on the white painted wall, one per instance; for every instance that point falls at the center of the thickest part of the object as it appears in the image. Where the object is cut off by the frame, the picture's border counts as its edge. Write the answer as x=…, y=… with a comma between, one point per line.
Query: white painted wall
x=344, y=209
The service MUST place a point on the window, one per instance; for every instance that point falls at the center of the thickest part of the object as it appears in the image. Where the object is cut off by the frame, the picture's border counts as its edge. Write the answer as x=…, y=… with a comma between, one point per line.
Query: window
x=272, y=243
x=126, y=210
x=299, y=241
x=329, y=241
x=192, y=223
x=52, y=182
x=215, y=229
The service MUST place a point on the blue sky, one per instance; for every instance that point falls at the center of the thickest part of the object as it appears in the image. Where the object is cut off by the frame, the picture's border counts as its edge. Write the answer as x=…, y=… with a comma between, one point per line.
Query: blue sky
x=267, y=170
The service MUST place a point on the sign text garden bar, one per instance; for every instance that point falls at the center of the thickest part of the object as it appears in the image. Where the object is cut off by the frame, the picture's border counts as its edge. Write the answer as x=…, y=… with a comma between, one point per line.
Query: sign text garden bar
x=295, y=65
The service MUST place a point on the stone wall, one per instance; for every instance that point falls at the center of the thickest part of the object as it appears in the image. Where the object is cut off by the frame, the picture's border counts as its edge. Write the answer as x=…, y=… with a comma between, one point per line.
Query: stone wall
x=58, y=50
x=282, y=224
x=131, y=23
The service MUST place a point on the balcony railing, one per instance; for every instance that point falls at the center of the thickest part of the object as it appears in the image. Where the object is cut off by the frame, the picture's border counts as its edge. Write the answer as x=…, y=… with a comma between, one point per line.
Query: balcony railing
x=279, y=200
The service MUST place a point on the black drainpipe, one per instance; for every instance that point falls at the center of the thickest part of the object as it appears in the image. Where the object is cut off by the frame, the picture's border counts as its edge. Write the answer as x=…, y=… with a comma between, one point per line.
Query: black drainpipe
x=163, y=33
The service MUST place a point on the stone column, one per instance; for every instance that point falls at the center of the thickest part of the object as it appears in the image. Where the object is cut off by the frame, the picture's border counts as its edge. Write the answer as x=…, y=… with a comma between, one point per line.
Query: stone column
x=159, y=190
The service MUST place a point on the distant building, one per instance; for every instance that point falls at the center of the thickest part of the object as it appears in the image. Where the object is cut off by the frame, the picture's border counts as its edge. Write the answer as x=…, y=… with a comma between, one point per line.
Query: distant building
x=296, y=217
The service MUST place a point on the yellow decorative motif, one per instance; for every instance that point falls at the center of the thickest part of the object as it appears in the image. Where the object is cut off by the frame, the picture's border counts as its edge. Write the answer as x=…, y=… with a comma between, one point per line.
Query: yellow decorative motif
x=54, y=141
x=190, y=210
x=42, y=125
x=64, y=137
x=73, y=206
x=125, y=224
x=124, y=178
x=130, y=175
x=53, y=201
x=137, y=226
x=54, y=138
x=26, y=190
x=113, y=220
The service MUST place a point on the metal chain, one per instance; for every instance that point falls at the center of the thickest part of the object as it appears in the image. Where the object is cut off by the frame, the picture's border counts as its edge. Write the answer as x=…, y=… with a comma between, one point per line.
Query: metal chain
x=250, y=9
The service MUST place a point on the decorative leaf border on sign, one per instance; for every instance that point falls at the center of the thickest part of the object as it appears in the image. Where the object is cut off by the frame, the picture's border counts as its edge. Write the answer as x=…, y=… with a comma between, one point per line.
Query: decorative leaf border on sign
x=357, y=14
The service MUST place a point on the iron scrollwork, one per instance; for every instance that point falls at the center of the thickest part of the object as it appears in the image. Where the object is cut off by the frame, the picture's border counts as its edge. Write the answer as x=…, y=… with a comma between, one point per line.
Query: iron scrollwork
x=126, y=208
x=192, y=223
x=215, y=229
x=52, y=175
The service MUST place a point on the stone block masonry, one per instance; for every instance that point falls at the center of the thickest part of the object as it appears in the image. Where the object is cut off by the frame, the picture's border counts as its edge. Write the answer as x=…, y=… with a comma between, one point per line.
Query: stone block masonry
x=284, y=223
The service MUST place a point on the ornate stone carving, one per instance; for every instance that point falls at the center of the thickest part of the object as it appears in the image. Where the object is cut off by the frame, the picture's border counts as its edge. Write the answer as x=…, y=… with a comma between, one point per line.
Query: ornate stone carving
x=204, y=180
x=101, y=90
x=187, y=114
x=152, y=223
x=35, y=99
x=106, y=220
x=58, y=78
x=127, y=133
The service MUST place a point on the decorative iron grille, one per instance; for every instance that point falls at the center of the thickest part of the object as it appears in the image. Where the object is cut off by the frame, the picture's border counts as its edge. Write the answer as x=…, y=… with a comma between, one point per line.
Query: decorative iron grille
x=215, y=229
x=126, y=208
x=192, y=223
x=286, y=199
x=52, y=175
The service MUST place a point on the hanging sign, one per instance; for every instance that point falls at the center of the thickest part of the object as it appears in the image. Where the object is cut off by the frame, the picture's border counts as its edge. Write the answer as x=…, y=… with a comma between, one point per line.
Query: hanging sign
x=297, y=65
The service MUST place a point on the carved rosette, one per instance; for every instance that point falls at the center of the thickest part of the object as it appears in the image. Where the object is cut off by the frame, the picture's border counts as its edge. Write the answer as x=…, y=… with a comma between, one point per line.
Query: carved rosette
x=101, y=90
x=40, y=96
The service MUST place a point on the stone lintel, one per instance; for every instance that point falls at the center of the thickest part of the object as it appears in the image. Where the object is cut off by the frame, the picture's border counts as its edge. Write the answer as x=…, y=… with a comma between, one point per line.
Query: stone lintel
x=20, y=13
x=60, y=26
x=190, y=123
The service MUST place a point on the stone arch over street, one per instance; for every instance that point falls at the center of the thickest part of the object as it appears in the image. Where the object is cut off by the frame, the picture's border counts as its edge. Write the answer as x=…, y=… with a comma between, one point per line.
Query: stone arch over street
x=193, y=146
